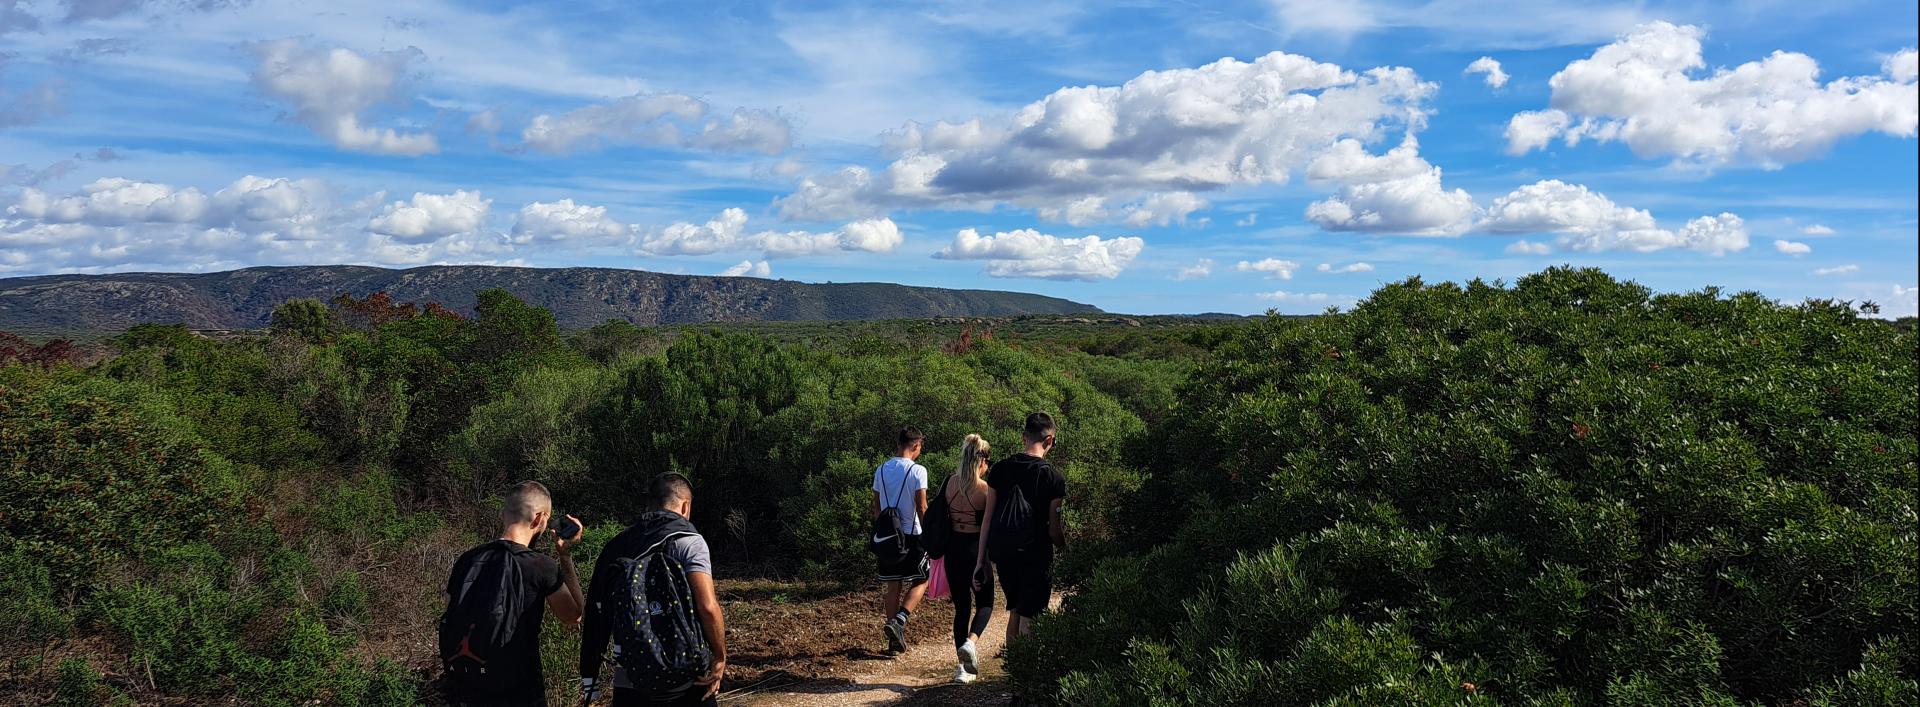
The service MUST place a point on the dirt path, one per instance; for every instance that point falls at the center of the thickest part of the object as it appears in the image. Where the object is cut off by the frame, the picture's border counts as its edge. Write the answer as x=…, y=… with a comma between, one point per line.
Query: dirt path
x=925, y=672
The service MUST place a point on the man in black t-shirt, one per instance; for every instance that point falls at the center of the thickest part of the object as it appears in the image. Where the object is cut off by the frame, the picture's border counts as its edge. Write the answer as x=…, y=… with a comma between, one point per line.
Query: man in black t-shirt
x=523, y=515
x=1026, y=567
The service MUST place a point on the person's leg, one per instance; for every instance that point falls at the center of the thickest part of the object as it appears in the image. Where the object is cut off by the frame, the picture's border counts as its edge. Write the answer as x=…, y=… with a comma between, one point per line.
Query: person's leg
x=962, y=589
x=915, y=593
x=889, y=598
x=982, y=608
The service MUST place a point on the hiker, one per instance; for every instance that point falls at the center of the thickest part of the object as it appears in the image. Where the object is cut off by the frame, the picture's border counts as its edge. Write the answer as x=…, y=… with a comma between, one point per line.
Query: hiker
x=965, y=494
x=899, y=500
x=652, y=593
x=1024, y=526
x=490, y=633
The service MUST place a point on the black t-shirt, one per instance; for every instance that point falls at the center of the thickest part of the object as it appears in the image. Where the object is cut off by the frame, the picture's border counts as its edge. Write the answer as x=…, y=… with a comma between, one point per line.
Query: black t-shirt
x=1034, y=477
x=542, y=574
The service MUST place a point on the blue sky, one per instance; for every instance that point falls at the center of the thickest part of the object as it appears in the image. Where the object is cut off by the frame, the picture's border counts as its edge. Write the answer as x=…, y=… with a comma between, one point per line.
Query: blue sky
x=1151, y=157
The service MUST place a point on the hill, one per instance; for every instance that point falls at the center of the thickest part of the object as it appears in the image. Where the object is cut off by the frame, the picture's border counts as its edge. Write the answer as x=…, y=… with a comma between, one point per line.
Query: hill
x=578, y=297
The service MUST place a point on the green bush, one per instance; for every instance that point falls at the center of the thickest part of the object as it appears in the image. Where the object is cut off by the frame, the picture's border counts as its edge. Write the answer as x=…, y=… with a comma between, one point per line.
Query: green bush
x=34, y=615
x=78, y=685
x=1569, y=491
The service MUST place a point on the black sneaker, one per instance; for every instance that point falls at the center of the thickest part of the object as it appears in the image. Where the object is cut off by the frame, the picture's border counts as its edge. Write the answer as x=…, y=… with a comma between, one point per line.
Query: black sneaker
x=896, y=636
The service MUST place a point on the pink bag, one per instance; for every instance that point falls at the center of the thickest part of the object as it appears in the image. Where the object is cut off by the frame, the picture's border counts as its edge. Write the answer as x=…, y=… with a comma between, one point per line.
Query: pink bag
x=937, y=584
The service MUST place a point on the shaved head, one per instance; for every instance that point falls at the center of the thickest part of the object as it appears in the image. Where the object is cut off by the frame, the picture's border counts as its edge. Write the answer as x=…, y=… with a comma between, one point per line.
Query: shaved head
x=525, y=502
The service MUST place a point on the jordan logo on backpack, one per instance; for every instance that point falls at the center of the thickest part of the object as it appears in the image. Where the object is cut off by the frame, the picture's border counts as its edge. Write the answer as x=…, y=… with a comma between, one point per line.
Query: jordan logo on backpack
x=466, y=649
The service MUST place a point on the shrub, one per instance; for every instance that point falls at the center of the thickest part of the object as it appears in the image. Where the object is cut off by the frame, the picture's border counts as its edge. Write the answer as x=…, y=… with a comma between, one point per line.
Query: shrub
x=78, y=684
x=1569, y=491
x=34, y=615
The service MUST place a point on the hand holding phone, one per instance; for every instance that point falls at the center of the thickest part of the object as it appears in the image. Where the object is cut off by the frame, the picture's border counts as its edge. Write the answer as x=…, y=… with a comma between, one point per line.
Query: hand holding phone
x=566, y=530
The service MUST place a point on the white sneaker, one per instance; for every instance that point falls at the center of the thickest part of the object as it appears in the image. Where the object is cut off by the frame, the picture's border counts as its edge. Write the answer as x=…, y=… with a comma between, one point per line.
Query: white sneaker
x=964, y=676
x=970, y=657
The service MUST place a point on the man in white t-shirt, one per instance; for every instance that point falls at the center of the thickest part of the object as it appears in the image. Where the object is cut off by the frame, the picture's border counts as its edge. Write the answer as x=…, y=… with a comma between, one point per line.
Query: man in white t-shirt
x=901, y=484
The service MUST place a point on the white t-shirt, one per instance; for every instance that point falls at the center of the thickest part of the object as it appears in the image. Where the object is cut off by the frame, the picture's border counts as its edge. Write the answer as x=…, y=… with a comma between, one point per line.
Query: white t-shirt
x=888, y=482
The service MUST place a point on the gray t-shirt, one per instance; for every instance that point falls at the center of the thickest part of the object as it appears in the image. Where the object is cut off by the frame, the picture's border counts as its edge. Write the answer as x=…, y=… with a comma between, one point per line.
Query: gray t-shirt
x=692, y=552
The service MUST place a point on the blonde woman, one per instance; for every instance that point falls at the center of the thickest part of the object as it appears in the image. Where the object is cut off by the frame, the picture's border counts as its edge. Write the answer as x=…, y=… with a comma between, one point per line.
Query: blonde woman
x=966, y=495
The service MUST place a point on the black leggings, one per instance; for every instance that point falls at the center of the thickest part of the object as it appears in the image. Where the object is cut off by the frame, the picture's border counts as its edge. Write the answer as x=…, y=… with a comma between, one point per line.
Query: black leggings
x=971, y=610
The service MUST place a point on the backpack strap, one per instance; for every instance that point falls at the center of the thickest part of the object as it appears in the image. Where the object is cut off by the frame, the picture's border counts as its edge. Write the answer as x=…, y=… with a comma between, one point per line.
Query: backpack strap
x=661, y=544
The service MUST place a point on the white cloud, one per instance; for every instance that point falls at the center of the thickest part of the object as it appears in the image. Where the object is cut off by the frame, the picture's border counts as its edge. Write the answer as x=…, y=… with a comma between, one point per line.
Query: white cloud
x=1275, y=268
x=1905, y=301
x=1250, y=219
x=1526, y=247
x=1640, y=90
x=1817, y=230
x=1029, y=253
x=1155, y=210
x=1316, y=298
x=1837, y=270
x=430, y=217
x=749, y=268
x=1792, y=247
x=1161, y=134
x=1398, y=192
x=1496, y=77
x=117, y=224
x=1589, y=221
x=566, y=222
x=1199, y=270
x=728, y=232
x=330, y=87
x=665, y=119
x=1344, y=269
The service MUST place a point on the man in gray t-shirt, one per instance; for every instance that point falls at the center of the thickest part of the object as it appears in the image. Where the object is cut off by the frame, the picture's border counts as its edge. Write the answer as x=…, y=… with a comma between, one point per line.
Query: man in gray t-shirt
x=673, y=501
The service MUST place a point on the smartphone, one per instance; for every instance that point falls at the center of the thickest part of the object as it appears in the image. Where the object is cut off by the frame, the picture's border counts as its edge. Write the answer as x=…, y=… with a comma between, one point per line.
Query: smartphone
x=565, y=529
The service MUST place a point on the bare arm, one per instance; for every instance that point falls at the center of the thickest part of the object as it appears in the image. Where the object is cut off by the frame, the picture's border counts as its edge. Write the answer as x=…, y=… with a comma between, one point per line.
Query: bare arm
x=1057, y=524
x=568, y=604
x=920, y=502
x=986, y=526
x=706, y=604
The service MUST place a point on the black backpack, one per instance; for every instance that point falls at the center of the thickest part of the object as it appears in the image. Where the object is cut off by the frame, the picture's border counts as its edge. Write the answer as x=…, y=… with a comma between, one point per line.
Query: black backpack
x=936, y=528
x=1013, y=525
x=657, y=636
x=889, y=540
x=480, y=620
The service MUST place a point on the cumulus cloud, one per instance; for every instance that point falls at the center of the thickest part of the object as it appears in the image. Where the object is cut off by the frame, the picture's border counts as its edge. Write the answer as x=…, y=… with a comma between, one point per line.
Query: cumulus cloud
x=1526, y=247
x=1847, y=269
x=1647, y=90
x=1152, y=139
x=566, y=222
x=1792, y=247
x=330, y=87
x=115, y=223
x=1397, y=192
x=728, y=232
x=428, y=217
x=749, y=268
x=658, y=119
x=1817, y=230
x=1589, y=221
x=1155, y=210
x=1344, y=269
x=1495, y=76
x=1315, y=298
x=1200, y=269
x=1032, y=254
x=1274, y=268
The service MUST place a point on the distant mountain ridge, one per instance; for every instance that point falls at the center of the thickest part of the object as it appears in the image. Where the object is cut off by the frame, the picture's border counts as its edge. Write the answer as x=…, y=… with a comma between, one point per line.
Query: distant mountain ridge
x=578, y=297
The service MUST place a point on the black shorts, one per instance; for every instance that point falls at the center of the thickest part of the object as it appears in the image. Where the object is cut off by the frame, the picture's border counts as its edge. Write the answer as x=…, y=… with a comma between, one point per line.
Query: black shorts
x=1026, y=577
x=912, y=567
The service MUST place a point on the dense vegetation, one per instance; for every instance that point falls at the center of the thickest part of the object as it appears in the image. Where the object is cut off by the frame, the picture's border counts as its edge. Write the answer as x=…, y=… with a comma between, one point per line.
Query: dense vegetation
x=1566, y=492
x=1563, y=492
x=270, y=517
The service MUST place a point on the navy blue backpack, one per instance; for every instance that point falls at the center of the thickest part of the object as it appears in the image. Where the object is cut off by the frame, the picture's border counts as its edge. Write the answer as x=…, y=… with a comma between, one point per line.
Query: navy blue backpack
x=658, y=635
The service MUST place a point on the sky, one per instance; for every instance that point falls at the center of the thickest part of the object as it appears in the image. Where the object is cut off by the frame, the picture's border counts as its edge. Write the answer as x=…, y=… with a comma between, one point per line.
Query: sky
x=1144, y=157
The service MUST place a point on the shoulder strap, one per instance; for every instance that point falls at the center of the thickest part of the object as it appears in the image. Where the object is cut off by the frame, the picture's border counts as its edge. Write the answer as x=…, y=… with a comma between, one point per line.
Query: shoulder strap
x=908, y=472
x=661, y=544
